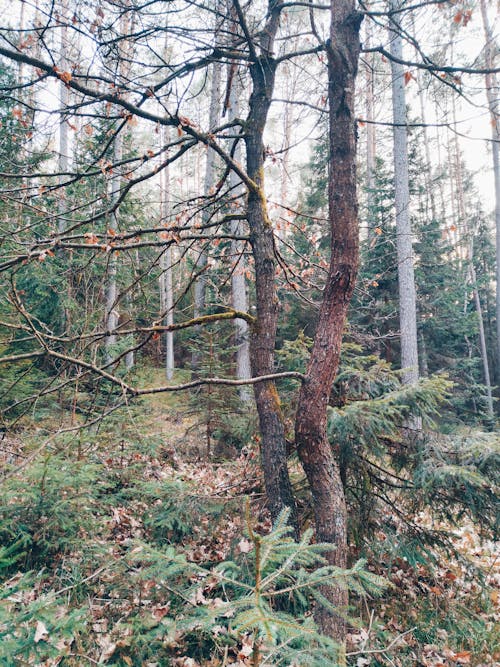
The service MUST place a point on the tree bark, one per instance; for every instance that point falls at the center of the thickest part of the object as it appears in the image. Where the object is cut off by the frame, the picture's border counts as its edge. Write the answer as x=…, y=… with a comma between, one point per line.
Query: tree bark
x=239, y=298
x=404, y=242
x=371, y=149
x=315, y=452
x=200, y=286
x=166, y=279
x=112, y=292
x=263, y=337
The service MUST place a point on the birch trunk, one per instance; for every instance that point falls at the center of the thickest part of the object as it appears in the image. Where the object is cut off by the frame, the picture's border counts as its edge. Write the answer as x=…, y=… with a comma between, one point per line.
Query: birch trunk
x=111, y=315
x=239, y=298
x=404, y=241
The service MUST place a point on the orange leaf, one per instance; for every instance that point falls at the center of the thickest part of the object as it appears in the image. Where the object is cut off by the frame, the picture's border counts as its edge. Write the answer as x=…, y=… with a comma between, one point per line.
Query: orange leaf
x=408, y=77
x=377, y=231
x=65, y=76
x=463, y=657
x=458, y=17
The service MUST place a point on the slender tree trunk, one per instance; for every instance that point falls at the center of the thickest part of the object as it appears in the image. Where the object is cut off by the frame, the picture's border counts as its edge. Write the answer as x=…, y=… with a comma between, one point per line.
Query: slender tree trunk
x=315, y=452
x=404, y=242
x=482, y=342
x=462, y=221
x=200, y=286
x=112, y=293
x=492, y=96
x=63, y=160
x=263, y=337
x=371, y=152
x=166, y=278
x=430, y=198
x=112, y=315
x=239, y=298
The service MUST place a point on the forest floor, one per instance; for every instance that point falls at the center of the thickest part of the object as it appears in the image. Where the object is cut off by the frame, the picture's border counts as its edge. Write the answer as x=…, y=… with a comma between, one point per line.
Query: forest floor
x=78, y=505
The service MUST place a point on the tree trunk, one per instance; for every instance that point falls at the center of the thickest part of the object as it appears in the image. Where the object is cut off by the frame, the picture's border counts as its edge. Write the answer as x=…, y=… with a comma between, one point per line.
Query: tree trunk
x=492, y=96
x=406, y=277
x=112, y=315
x=371, y=150
x=112, y=293
x=263, y=337
x=482, y=342
x=315, y=452
x=200, y=286
x=239, y=298
x=63, y=160
x=463, y=222
x=165, y=279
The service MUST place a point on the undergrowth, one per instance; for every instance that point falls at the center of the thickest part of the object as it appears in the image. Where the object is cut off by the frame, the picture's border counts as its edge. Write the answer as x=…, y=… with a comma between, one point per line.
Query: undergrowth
x=115, y=550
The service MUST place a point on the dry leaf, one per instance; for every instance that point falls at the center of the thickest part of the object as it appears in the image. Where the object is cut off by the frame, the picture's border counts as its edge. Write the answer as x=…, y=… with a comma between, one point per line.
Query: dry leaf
x=245, y=546
x=41, y=632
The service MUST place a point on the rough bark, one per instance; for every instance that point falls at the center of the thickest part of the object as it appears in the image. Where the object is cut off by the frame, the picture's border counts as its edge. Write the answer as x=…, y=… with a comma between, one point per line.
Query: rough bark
x=315, y=452
x=263, y=337
x=404, y=241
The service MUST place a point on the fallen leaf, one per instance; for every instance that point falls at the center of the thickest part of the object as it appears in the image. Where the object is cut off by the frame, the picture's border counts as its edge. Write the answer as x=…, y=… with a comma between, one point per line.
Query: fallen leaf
x=245, y=546
x=41, y=632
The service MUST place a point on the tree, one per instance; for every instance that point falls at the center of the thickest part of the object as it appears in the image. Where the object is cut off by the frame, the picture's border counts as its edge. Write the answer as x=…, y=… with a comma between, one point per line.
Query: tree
x=404, y=241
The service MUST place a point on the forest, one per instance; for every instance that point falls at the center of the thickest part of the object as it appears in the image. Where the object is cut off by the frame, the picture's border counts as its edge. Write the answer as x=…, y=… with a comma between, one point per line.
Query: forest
x=249, y=333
